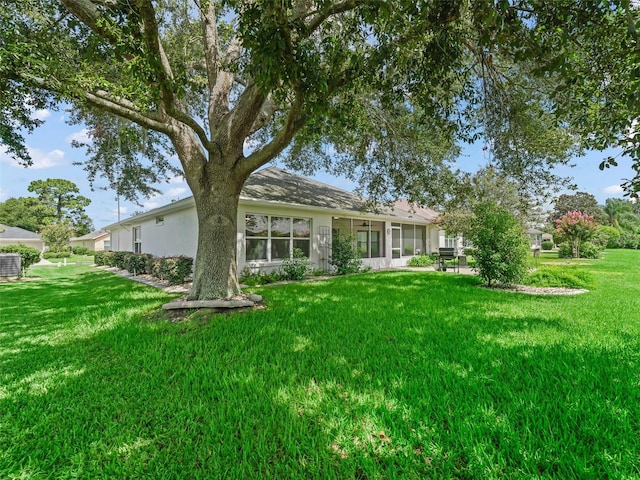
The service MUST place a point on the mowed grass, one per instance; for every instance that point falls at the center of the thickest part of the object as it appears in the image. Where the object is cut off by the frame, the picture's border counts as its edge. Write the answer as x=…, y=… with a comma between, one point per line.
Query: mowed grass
x=385, y=375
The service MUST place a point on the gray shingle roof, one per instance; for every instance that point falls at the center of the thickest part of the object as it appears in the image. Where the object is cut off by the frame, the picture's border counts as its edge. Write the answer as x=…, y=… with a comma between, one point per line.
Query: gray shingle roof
x=17, y=233
x=276, y=185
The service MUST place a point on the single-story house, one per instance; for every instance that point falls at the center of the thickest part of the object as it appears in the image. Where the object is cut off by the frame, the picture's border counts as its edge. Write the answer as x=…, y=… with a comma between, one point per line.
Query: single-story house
x=98, y=240
x=279, y=211
x=16, y=235
x=535, y=237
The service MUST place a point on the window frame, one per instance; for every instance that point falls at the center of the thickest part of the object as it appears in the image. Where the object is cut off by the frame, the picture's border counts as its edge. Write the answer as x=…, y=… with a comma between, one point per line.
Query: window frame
x=292, y=238
x=137, y=239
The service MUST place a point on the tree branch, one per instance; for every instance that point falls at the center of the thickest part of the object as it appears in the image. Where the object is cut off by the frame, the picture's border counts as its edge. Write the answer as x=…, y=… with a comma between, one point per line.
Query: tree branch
x=293, y=123
x=89, y=14
x=210, y=40
x=159, y=60
x=334, y=9
x=221, y=90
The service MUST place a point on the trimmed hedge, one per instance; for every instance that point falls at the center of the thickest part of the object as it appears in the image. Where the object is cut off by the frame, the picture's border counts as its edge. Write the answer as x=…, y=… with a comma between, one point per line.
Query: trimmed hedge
x=80, y=250
x=547, y=245
x=28, y=255
x=174, y=269
x=56, y=255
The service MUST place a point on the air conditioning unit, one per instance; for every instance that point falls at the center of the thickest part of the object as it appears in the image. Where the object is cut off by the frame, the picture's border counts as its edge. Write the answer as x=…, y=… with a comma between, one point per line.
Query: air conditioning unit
x=10, y=265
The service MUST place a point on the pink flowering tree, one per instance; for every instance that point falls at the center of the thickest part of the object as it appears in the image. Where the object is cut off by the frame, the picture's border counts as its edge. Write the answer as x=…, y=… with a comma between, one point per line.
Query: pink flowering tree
x=576, y=227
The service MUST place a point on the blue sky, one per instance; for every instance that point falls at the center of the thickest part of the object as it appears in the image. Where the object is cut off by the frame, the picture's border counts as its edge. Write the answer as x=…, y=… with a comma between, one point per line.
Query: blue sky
x=50, y=148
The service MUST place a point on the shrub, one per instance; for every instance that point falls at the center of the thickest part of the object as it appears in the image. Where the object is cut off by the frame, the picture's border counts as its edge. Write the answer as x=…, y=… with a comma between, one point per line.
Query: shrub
x=80, y=250
x=176, y=269
x=629, y=240
x=606, y=237
x=296, y=268
x=546, y=245
x=501, y=245
x=565, y=250
x=560, y=276
x=589, y=250
x=344, y=255
x=28, y=255
x=120, y=259
x=138, y=263
x=48, y=255
x=104, y=258
x=421, y=261
x=252, y=279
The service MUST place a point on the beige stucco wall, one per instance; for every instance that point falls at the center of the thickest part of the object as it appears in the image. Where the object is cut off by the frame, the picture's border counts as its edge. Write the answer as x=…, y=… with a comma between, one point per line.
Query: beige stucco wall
x=96, y=244
x=33, y=243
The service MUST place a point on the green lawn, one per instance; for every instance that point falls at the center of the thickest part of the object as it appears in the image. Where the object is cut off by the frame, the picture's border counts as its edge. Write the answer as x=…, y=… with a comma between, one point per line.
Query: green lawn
x=385, y=375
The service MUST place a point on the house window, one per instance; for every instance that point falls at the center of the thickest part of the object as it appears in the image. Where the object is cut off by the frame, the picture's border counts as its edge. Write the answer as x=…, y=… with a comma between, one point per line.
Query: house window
x=271, y=238
x=137, y=239
x=451, y=241
x=107, y=245
x=413, y=239
x=159, y=220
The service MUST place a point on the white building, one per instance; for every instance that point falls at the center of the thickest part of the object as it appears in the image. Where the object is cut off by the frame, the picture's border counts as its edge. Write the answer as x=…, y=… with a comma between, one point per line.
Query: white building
x=279, y=211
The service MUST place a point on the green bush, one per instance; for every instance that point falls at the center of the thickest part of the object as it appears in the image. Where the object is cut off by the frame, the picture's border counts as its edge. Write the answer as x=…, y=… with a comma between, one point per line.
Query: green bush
x=28, y=255
x=607, y=237
x=501, y=246
x=252, y=279
x=421, y=261
x=587, y=250
x=105, y=258
x=565, y=250
x=176, y=269
x=80, y=250
x=560, y=276
x=546, y=245
x=629, y=240
x=344, y=255
x=297, y=267
x=138, y=263
x=121, y=259
x=48, y=255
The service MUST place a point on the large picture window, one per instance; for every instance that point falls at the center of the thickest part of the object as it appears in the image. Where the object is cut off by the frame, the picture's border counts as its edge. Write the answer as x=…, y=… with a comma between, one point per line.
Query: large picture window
x=272, y=238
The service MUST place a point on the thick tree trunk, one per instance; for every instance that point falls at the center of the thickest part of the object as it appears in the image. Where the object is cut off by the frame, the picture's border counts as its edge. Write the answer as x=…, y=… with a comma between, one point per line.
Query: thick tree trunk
x=215, y=272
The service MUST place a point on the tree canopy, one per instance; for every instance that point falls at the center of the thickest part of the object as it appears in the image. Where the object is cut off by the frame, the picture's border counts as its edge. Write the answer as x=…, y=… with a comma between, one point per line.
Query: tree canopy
x=578, y=202
x=378, y=91
x=57, y=201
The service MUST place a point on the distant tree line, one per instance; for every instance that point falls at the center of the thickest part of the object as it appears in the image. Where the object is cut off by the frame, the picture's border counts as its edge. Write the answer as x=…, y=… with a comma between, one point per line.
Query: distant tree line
x=56, y=202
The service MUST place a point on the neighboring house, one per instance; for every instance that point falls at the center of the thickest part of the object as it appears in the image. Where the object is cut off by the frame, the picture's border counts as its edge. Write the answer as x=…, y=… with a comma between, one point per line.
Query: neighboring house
x=535, y=237
x=98, y=241
x=17, y=235
x=279, y=211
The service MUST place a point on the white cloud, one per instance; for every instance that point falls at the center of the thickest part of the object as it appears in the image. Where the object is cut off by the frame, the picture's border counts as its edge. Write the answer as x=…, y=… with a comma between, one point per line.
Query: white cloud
x=82, y=136
x=150, y=205
x=42, y=114
x=3, y=195
x=174, y=192
x=613, y=189
x=40, y=159
x=123, y=211
x=176, y=179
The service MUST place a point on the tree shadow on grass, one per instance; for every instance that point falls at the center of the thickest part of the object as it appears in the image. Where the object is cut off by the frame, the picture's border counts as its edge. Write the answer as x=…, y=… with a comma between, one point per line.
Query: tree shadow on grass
x=426, y=379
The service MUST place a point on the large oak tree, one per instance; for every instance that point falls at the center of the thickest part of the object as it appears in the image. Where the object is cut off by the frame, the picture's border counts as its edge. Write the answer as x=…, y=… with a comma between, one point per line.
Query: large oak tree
x=377, y=90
